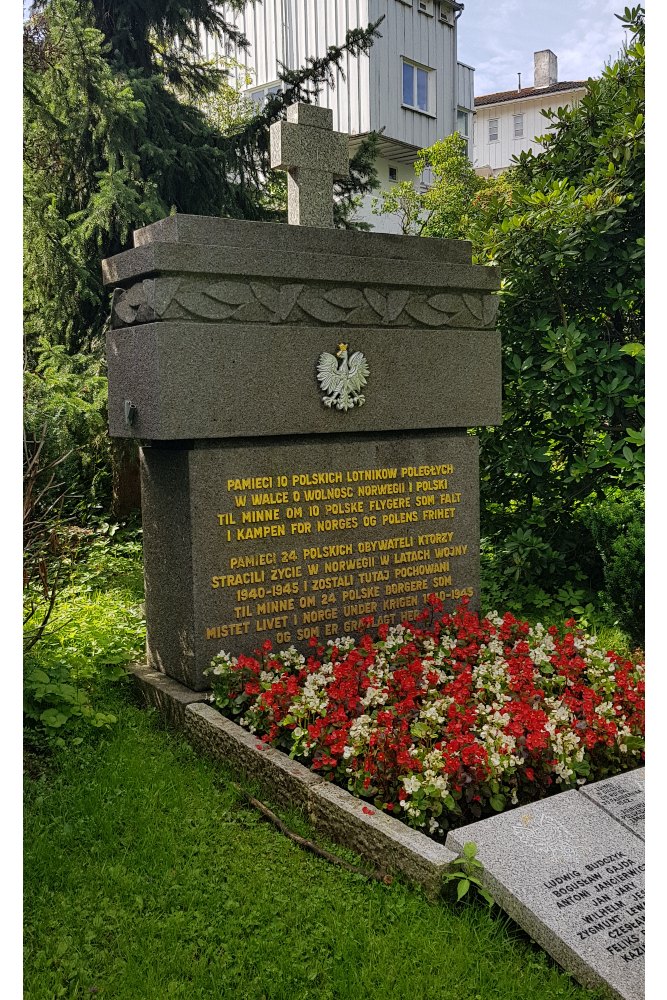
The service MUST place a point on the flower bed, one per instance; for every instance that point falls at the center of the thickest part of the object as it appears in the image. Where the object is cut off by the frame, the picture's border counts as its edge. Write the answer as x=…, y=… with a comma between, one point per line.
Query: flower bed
x=444, y=720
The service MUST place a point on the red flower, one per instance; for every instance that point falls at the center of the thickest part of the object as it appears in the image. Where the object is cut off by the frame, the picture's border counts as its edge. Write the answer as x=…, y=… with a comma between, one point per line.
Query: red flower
x=434, y=601
x=410, y=684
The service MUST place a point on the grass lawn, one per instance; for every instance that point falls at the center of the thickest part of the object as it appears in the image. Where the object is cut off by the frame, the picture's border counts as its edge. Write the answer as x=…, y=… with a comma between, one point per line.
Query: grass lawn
x=147, y=876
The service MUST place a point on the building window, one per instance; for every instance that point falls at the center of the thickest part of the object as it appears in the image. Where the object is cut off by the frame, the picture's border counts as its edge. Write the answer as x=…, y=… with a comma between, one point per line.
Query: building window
x=445, y=14
x=393, y=173
x=463, y=127
x=518, y=126
x=418, y=89
x=425, y=7
x=260, y=94
x=493, y=130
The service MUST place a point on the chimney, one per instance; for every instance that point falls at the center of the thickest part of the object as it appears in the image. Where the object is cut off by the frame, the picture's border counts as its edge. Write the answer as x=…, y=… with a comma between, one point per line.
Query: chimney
x=546, y=69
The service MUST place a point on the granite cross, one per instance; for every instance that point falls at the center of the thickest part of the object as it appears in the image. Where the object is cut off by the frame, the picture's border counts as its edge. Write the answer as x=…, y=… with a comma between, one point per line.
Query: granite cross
x=313, y=156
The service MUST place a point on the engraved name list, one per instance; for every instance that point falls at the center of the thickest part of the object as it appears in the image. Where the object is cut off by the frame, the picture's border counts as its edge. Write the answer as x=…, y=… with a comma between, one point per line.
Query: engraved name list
x=309, y=554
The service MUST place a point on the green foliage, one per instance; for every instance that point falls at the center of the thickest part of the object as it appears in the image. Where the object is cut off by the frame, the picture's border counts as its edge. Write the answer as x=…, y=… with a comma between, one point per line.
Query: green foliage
x=95, y=627
x=442, y=210
x=65, y=396
x=65, y=475
x=466, y=871
x=617, y=526
x=125, y=123
x=108, y=914
x=566, y=228
x=144, y=35
x=226, y=108
x=84, y=188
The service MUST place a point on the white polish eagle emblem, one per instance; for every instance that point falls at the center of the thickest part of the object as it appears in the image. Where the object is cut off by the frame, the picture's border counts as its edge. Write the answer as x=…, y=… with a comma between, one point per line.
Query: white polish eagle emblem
x=341, y=383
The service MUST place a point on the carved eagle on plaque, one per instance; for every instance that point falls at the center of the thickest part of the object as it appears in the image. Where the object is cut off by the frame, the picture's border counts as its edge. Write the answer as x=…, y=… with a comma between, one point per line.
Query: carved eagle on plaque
x=341, y=383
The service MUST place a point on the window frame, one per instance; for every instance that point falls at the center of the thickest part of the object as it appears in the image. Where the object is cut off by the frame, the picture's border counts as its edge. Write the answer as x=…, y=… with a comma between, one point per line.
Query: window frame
x=497, y=136
x=259, y=95
x=445, y=14
x=517, y=135
x=467, y=134
x=430, y=108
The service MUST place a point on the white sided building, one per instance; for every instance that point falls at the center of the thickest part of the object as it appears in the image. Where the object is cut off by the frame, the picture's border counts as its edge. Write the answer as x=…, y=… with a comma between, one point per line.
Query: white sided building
x=507, y=123
x=410, y=85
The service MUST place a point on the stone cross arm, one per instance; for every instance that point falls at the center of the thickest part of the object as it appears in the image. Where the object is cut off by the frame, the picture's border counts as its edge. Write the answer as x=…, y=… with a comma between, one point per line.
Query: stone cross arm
x=313, y=156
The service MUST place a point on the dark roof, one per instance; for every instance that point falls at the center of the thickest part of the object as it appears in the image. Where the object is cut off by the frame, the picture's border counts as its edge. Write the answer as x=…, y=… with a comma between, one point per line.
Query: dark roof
x=515, y=95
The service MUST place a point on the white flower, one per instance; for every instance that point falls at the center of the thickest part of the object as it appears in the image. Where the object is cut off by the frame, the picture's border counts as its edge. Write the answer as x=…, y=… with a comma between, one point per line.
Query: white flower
x=411, y=784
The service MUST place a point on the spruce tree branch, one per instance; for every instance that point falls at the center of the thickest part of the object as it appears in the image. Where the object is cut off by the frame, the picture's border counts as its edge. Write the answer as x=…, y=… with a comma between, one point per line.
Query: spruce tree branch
x=306, y=83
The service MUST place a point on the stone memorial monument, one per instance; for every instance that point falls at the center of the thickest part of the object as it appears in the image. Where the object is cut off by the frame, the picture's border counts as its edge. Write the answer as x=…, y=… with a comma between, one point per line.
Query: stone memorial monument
x=302, y=397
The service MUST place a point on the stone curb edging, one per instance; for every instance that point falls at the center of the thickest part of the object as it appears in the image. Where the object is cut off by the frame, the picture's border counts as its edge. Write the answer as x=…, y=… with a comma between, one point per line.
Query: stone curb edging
x=164, y=693
x=337, y=814
x=387, y=842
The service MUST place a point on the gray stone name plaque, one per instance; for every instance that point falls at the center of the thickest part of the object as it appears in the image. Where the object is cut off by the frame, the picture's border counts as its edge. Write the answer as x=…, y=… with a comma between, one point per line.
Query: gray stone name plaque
x=622, y=797
x=573, y=878
x=288, y=541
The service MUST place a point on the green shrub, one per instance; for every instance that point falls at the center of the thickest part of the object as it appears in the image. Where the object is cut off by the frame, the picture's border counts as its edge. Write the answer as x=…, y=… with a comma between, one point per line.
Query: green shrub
x=617, y=526
x=96, y=626
x=566, y=227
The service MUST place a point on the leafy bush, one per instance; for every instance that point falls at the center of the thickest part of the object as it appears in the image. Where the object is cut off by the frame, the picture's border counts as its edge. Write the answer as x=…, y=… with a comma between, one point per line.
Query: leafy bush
x=566, y=228
x=544, y=597
x=444, y=724
x=95, y=627
x=442, y=209
x=65, y=474
x=43, y=535
x=617, y=526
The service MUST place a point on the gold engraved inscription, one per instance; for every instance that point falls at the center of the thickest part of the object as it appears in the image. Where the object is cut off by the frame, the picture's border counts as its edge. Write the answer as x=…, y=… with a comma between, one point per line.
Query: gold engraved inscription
x=309, y=554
